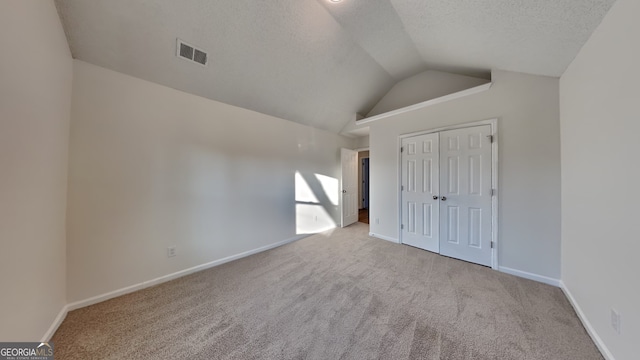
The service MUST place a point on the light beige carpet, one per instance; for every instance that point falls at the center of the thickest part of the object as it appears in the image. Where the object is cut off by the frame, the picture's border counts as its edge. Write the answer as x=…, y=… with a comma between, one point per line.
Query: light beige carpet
x=338, y=296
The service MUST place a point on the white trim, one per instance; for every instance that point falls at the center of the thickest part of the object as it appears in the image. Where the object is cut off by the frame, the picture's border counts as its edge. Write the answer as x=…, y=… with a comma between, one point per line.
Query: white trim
x=162, y=279
x=383, y=237
x=494, y=178
x=531, y=276
x=362, y=149
x=439, y=100
x=56, y=324
x=495, y=213
x=587, y=325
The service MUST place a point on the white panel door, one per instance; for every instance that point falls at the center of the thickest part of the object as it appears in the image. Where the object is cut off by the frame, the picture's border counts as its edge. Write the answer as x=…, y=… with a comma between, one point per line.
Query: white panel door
x=465, y=194
x=349, y=184
x=420, y=180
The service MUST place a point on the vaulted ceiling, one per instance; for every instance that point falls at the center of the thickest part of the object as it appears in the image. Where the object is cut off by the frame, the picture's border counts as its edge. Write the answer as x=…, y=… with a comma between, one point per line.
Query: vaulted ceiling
x=317, y=62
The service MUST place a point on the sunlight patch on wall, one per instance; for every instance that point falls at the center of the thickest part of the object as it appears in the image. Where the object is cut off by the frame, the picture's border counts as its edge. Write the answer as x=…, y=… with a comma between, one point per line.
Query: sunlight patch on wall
x=312, y=219
x=311, y=213
x=330, y=187
x=303, y=190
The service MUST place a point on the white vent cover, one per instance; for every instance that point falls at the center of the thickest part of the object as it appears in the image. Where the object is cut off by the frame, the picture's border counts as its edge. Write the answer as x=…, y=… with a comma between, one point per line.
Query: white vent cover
x=191, y=53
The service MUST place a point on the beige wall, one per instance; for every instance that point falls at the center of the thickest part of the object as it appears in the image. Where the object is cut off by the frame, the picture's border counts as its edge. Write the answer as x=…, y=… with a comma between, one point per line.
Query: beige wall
x=424, y=86
x=362, y=142
x=35, y=98
x=529, y=171
x=152, y=167
x=600, y=121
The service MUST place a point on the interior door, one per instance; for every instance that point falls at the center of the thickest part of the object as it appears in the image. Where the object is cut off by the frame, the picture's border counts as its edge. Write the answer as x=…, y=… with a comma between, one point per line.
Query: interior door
x=420, y=178
x=465, y=190
x=349, y=184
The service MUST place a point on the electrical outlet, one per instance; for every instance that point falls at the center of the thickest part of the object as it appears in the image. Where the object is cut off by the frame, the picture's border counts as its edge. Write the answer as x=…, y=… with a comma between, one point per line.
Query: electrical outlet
x=615, y=320
x=171, y=251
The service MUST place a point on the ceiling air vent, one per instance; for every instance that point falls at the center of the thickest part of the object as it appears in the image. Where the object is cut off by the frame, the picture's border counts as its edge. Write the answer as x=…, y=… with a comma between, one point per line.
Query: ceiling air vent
x=191, y=53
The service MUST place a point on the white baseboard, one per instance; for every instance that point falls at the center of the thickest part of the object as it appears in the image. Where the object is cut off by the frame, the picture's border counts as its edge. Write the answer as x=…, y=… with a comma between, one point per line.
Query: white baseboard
x=587, y=325
x=388, y=238
x=169, y=277
x=56, y=324
x=530, y=276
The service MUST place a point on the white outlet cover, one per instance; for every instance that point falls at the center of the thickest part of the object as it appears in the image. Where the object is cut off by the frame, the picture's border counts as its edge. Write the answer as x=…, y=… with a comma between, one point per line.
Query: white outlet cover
x=615, y=320
x=171, y=251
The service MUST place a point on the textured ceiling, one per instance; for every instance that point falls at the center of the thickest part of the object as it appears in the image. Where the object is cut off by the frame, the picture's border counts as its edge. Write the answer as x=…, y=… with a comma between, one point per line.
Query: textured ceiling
x=539, y=37
x=317, y=62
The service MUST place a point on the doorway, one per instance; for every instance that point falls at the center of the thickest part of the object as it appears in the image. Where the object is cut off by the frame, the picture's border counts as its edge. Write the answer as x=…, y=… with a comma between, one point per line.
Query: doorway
x=363, y=186
x=448, y=202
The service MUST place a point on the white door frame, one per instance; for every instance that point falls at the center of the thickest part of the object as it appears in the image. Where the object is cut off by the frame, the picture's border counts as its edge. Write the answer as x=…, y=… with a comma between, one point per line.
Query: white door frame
x=494, y=178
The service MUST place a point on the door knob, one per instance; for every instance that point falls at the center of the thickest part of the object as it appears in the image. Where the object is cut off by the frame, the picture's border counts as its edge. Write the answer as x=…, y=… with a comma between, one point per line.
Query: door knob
x=435, y=197
x=444, y=198
x=344, y=191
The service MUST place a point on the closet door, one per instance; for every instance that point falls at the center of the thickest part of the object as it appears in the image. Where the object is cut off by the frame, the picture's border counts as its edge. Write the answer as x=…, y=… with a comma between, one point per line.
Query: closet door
x=465, y=194
x=420, y=177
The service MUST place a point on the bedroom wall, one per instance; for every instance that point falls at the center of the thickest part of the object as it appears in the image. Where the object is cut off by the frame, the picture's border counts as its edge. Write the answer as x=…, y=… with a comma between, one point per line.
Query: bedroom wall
x=35, y=101
x=527, y=109
x=600, y=175
x=152, y=167
x=424, y=86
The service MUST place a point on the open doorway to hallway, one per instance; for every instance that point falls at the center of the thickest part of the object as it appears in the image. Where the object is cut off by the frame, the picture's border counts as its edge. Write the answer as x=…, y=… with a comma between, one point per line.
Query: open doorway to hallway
x=363, y=185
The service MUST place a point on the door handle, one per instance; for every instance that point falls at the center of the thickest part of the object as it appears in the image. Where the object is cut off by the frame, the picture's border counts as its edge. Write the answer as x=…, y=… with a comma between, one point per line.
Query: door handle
x=435, y=197
x=344, y=191
x=444, y=198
